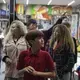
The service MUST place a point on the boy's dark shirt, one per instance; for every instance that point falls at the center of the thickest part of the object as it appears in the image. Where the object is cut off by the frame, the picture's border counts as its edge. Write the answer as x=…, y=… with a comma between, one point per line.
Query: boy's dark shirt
x=40, y=62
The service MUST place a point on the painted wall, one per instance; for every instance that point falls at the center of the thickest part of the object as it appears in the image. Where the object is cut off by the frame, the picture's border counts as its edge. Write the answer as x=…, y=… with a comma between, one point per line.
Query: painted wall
x=43, y=12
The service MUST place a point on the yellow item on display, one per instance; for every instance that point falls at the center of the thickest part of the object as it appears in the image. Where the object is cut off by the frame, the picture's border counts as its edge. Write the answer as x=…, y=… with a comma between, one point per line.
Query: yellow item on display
x=78, y=48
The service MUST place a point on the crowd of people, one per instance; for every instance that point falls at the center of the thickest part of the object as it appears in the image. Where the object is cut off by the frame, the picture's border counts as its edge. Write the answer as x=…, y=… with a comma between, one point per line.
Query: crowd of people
x=27, y=57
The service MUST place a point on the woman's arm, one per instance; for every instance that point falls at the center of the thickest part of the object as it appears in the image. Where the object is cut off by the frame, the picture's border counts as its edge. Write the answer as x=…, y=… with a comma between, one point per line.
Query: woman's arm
x=5, y=57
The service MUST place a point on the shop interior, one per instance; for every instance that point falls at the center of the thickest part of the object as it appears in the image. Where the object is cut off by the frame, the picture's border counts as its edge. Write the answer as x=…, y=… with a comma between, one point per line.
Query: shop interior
x=46, y=13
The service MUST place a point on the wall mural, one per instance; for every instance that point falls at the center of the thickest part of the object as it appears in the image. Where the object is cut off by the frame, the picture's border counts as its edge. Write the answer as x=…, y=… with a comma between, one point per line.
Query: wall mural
x=45, y=12
x=42, y=11
x=46, y=15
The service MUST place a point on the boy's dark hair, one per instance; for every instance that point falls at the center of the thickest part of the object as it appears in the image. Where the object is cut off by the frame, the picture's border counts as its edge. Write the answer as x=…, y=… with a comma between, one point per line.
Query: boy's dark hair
x=33, y=34
x=31, y=21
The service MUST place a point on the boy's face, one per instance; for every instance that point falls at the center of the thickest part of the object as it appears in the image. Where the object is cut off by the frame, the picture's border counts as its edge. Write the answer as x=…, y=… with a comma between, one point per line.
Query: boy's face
x=38, y=42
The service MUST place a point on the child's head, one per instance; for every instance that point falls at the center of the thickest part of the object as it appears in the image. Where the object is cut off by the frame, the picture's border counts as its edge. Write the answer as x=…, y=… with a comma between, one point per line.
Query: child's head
x=32, y=25
x=35, y=38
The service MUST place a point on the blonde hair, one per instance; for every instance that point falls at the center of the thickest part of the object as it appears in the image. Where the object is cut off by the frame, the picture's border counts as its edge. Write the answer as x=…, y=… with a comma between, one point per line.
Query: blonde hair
x=67, y=24
x=64, y=35
x=22, y=27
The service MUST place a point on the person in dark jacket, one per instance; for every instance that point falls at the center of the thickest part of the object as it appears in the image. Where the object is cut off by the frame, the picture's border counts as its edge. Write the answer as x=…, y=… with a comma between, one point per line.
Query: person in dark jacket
x=63, y=51
x=68, y=25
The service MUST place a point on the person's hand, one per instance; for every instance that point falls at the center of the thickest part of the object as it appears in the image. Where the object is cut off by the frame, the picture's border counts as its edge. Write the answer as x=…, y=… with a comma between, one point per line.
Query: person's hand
x=29, y=69
x=8, y=61
x=64, y=15
x=34, y=73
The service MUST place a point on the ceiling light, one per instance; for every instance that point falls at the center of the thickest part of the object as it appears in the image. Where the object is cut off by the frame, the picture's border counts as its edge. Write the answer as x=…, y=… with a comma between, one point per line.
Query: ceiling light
x=27, y=2
x=71, y=2
x=49, y=2
x=4, y=1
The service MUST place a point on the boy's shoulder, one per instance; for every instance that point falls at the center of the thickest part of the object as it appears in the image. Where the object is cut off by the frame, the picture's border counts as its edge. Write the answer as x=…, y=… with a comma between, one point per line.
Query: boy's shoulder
x=44, y=52
x=24, y=53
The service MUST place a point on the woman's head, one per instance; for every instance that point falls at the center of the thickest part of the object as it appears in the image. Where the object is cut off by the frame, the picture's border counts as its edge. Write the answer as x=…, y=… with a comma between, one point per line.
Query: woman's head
x=17, y=27
x=61, y=33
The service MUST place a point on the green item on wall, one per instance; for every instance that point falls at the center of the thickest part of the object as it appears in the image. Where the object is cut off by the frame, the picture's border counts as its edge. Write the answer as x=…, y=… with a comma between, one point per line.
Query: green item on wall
x=49, y=10
x=32, y=9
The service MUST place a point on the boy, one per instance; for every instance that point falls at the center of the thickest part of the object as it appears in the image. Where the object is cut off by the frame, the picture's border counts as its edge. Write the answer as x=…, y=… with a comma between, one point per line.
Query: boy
x=34, y=62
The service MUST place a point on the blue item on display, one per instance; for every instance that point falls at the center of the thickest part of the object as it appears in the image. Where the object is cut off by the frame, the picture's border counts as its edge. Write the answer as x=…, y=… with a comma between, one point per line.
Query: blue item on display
x=3, y=12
